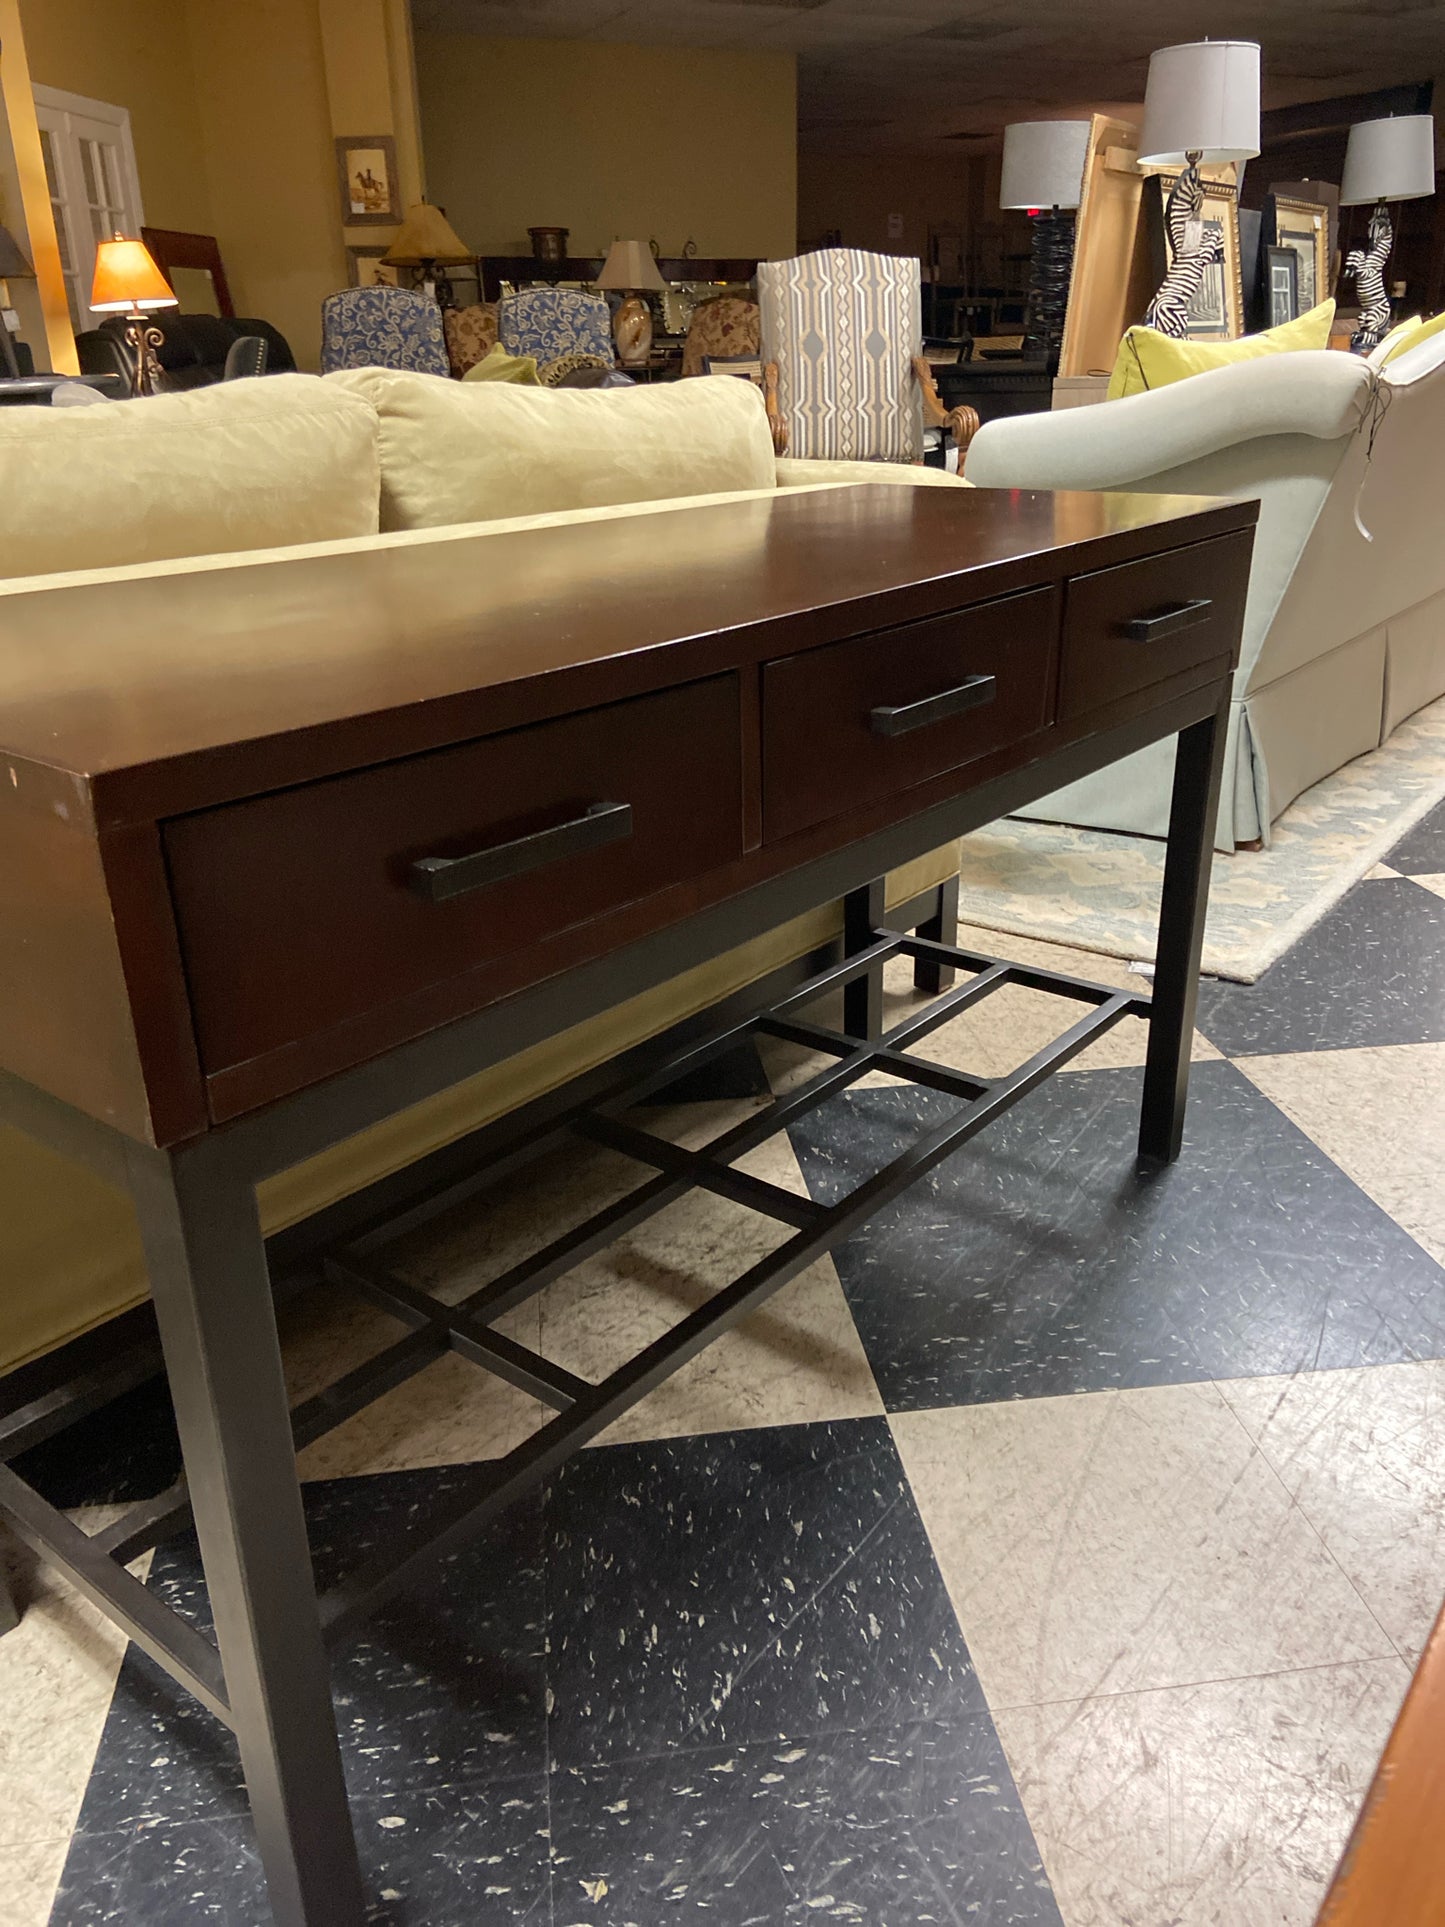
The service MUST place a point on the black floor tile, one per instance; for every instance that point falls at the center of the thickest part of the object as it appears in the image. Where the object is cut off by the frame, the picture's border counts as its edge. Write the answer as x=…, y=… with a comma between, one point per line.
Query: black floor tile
x=1038, y=1261
x=125, y=1452
x=442, y=1857
x=905, y=1828
x=741, y=1586
x=1421, y=852
x=1371, y=972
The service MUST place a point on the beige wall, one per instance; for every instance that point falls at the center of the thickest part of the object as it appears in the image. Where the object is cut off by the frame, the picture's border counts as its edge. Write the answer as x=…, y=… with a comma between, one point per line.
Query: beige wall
x=135, y=54
x=609, y=140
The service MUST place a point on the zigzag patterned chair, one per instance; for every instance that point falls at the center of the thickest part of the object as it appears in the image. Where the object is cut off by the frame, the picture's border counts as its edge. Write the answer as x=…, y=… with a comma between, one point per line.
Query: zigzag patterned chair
x=382, y=328
x=845, y=330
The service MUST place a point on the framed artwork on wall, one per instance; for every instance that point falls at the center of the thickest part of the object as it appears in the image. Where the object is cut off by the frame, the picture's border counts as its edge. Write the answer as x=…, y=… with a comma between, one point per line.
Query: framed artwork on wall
x=1217, y=311
x=1281, y=292
x=367, y=269
x=1304, y=228
x=366, y=179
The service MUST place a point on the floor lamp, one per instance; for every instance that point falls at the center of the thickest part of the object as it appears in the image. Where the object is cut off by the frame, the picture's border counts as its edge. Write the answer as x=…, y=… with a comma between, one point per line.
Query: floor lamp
x=1043, y=171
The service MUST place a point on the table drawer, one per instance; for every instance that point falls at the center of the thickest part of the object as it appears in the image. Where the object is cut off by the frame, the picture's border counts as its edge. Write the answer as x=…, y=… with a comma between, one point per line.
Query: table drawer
x=301, y=910
x=862, y=720
x=1130, y=627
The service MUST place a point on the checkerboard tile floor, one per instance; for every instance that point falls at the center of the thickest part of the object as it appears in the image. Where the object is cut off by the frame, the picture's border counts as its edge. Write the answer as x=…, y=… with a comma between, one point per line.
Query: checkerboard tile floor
x=1057, y=1553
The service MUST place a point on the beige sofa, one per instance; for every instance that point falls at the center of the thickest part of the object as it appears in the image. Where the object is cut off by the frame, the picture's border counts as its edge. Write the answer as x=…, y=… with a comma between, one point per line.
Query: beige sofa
x=1344, y=632
x=253, y=472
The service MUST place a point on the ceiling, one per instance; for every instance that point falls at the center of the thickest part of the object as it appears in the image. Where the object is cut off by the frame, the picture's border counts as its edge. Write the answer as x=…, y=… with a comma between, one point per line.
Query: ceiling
x=893, y=75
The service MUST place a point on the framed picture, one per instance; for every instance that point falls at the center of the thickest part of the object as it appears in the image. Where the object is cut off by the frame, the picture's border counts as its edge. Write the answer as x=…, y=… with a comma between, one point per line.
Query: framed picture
x=366, y=178
x=368, y=270
x=1304, y=228
x=1281, y=293
x=1217, y=311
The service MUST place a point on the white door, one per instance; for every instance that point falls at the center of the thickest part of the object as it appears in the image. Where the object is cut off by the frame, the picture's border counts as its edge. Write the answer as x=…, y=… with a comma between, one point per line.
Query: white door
x=94, y=189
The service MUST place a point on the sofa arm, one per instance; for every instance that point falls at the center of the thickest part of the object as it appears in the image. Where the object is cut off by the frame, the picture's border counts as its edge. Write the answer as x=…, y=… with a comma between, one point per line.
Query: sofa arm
x=796, y=472
x=1314, y=392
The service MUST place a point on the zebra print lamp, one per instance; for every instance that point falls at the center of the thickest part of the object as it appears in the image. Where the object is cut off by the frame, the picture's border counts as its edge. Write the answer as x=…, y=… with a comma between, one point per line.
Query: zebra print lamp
x=1386, y=160
x=1201, y=104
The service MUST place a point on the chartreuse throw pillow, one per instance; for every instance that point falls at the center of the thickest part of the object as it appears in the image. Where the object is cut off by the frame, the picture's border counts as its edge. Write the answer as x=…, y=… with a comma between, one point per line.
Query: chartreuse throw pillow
x=1148, y=359
x=498, y=365
x=1408, y=335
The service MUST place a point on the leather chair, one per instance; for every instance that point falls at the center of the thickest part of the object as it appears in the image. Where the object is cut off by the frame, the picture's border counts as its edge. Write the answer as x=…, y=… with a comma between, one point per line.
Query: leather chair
x=194, y=349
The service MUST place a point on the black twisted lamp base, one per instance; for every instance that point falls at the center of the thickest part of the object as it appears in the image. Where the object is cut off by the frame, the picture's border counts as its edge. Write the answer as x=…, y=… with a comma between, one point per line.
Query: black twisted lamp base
x=1049, y=271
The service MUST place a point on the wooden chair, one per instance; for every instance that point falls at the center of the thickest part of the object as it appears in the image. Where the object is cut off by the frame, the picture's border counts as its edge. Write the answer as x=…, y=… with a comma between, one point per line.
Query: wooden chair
x=845, y=331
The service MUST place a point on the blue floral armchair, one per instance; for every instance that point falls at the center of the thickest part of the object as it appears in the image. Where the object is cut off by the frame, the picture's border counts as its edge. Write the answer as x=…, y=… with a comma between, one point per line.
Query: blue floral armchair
x=383, y=328
x=551, y=322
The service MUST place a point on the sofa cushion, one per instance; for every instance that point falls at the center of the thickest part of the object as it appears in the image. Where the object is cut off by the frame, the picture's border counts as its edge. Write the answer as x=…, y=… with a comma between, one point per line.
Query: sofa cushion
x=1148, y=359
x=473, y=451
x=241, y=465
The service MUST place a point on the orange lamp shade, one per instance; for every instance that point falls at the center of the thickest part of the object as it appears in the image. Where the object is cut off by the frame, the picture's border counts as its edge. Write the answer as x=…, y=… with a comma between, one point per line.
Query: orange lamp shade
x=126, y=278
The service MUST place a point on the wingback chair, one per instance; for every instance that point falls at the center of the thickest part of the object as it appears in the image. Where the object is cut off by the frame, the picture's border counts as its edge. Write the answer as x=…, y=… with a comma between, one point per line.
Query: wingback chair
x=382, y=328
x=725, y=327
x=551, y=322
x=845, y=330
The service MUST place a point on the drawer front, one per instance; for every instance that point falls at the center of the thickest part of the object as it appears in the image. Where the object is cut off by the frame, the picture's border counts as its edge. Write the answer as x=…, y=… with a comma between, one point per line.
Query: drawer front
x=859, y=721
x=301, y=910
x=1130, y=627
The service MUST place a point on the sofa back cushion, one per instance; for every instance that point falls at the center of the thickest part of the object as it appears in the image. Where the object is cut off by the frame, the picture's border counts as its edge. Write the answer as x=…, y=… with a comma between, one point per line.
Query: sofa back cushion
x=241, y=465
x=474, y=451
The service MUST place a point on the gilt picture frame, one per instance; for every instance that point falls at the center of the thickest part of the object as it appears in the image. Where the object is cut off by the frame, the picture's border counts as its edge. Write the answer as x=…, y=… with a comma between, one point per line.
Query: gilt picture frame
x=366, y=180
x=1304, y=228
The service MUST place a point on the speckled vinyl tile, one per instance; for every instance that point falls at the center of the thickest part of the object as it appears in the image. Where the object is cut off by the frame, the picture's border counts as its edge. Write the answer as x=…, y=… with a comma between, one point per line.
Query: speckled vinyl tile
x=1371, y=972
x=1224, y=1804
x=1038, y=1260
x=1422, y=849
x=740, y=1588
x=918, y=1825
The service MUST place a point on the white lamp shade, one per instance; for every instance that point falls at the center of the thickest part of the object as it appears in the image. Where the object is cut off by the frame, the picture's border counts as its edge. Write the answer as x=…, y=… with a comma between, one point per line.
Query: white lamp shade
x=629, y=264
x=1389, y=160
x=1043, y=163
x=1201, y=99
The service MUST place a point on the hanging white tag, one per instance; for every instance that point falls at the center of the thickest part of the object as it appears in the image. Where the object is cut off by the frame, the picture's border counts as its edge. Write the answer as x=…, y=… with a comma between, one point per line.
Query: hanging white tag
x=1193, y=235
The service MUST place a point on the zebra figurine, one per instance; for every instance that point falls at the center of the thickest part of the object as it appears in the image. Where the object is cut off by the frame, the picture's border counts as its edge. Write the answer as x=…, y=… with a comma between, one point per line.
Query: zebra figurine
x=1168, y=312
x=1367, y=266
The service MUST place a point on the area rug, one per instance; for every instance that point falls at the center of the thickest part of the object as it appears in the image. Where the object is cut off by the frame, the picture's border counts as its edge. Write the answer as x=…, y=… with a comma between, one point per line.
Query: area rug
x=1094, y=890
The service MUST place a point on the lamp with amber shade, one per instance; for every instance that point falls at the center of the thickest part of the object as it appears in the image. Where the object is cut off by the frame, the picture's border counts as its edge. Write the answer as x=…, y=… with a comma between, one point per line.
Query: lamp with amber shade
x=428, y=241
x=127, y=281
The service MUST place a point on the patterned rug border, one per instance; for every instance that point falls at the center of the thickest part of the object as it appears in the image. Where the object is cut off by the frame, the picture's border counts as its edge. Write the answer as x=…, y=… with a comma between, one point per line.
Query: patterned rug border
x=1031, y=862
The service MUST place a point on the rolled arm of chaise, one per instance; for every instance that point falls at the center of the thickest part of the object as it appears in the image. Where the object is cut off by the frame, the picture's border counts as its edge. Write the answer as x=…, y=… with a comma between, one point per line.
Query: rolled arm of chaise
x=1316, y=392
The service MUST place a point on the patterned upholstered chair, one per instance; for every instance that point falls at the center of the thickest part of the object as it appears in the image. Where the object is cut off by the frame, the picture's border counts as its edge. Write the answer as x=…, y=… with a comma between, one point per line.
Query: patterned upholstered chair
x=471, y=334
x=382, y=328
x=725, y=326
x=845, y=331
x=551, y=322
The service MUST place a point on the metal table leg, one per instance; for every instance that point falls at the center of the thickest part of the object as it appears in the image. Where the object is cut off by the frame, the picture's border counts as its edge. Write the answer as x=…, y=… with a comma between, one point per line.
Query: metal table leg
x=930, y=976
x=863, y=912
x=213, y=1302
x=1198, y=772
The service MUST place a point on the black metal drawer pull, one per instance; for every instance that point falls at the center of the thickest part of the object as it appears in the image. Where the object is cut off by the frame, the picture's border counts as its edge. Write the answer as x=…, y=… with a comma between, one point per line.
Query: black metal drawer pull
x=439, y=878
x=1168, y=622
x=972, y=694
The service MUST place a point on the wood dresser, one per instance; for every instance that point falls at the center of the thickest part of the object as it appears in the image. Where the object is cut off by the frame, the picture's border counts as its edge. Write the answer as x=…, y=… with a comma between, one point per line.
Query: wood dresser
x=286, y=847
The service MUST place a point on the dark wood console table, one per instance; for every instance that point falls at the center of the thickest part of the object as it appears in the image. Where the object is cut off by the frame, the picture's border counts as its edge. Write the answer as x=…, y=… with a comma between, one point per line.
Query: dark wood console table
x=289, y=847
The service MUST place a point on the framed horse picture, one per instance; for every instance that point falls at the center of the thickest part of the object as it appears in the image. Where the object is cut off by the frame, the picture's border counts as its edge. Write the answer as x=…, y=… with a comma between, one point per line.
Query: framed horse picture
x=1216, y=308
x=1304, y=228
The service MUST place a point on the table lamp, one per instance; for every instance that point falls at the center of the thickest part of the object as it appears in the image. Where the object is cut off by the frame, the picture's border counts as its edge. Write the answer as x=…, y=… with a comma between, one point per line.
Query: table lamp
x=12, y=262
x=630, y=267
x=1386, y=160
x=128, y=282
x=1043, y=171
x=428, y=241
x=1201, y=103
